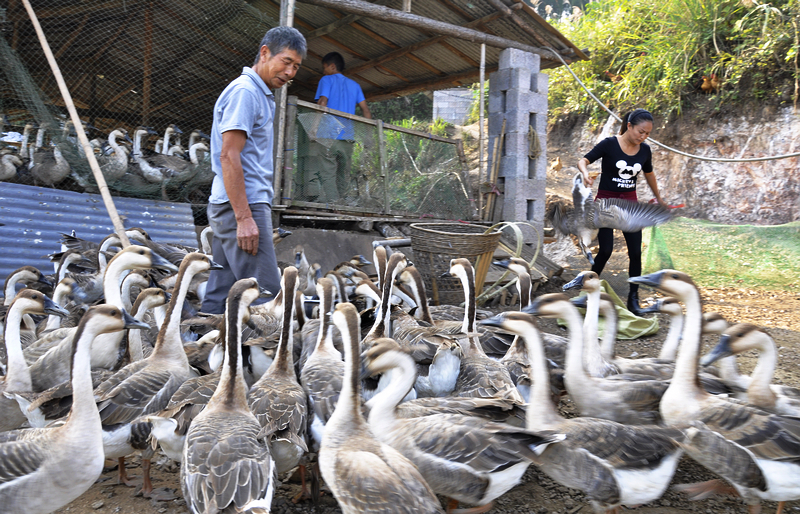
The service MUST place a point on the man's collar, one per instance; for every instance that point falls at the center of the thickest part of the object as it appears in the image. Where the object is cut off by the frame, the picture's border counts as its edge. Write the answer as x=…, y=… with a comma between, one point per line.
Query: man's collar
x=257, y=79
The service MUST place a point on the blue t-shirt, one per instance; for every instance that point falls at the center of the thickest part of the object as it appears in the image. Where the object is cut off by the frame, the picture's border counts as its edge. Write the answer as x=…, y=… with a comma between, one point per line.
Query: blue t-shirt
x=343, y=94
x=246, y=104
x=620, y=170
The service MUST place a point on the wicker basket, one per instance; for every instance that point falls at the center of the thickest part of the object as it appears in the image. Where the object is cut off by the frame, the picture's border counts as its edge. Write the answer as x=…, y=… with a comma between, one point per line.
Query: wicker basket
x=434, y=244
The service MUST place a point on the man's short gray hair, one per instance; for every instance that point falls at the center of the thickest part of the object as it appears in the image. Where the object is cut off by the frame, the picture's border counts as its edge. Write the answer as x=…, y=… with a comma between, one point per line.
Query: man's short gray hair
x=278, y=39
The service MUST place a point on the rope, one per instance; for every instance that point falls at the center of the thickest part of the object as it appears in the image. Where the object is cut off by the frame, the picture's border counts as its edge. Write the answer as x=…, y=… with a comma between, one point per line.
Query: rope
x=662, y=145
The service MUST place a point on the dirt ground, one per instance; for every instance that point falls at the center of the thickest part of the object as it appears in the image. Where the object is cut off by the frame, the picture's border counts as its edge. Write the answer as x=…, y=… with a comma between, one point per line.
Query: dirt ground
x=777, y=311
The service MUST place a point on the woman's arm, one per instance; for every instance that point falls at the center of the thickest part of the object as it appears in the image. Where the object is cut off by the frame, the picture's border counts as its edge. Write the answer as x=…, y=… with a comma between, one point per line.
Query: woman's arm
x=582, y=164
x=653, y=183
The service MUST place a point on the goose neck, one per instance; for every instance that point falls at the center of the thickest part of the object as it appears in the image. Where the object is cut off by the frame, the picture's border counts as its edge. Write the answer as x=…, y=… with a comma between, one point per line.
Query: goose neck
x=669, y=350
x=168, y=343
x=232, y=389
x=284, y=359
x=17, y=369
x=348, y=406
x=111, y=282
x=764, y=370
x=383, y=405
x=609, y=312
x=591, y=346
x=540, y=412
x=468, y=284
x=59, y=297
x=689, y=349
x=83, y=404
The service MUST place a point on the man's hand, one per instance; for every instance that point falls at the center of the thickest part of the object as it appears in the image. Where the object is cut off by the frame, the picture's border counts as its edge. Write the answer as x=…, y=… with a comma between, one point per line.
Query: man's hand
x=247, y=235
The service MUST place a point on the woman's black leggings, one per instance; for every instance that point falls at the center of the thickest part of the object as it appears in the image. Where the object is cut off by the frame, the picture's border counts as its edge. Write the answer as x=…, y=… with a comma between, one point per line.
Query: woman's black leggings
x=606, y=239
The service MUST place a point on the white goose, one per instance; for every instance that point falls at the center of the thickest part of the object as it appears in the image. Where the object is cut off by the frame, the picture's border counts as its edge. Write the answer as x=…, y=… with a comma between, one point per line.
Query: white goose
x=8, y=166
x=364, y=474
x=758, y=453
x=18, y=376
x=116, y=165
x=226, y=465
x=612, y=463
x=44, y=469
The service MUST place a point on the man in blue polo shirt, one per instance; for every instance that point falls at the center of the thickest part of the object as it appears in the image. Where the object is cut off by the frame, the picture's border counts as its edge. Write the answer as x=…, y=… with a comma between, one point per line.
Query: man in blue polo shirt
x=335, y=91
x=239, y=208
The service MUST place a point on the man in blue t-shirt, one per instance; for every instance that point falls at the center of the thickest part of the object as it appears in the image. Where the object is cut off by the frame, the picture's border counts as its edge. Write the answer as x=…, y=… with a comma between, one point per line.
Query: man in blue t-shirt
x=329, y=169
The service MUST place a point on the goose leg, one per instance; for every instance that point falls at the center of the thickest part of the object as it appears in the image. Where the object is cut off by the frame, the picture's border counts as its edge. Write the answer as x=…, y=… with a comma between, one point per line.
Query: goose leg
x=781, y=505
x=303, y=494
x=474, y=510
x=162, y=494
x=703, y=490
x=122, y=477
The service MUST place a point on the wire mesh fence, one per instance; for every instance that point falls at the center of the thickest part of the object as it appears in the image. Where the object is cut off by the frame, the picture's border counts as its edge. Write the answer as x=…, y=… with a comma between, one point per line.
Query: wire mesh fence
x=362, y=165
x=144, y=75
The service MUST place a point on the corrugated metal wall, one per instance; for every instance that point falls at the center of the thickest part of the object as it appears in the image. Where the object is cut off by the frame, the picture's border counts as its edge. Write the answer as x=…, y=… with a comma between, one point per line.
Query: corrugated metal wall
x=33, y=219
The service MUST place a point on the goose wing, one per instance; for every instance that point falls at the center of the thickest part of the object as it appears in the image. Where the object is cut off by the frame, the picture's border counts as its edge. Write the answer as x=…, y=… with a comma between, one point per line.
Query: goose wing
x=190, y=399
x=19, y=459
x=147, y=392
x=495, y=409
x=625, y=215
x=322, y=381
x=381, y=481
x=279, y=405
x=562, y=218
x=226, y=467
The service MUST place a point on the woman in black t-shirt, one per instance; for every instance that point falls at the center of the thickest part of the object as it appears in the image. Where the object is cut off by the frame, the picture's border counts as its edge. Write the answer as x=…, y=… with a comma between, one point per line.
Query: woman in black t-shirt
x=623, y=157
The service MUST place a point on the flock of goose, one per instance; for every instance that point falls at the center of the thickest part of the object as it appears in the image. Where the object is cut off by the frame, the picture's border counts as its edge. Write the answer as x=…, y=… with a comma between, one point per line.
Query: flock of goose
x=42, y=161
x=390, y=403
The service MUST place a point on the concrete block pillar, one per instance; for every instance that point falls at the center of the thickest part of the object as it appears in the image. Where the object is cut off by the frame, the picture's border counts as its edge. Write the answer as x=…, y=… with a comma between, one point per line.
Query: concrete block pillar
x=518, y=95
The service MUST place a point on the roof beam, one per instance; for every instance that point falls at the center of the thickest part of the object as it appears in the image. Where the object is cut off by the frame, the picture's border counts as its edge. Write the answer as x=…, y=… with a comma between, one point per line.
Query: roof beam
x=421, y=23
x=377, y=96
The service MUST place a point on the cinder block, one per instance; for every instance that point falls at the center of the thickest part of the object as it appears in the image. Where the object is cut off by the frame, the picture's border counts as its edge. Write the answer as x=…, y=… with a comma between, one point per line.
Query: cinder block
x=514, y=166
x=515, y=143
x=539, y=122
x=497, y=101
x=521, y=100
x=537, y=169
x=540, y=83
x=513, y=58
x=496, y=123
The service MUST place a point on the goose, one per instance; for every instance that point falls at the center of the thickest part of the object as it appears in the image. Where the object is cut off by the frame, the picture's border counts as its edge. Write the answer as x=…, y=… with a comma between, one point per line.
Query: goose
x=630, y=402
x=47, y=167
x=152, y=298
x=144, y=387
x=18, y=377
x=728, y=370
x=44, y=469
x=66, y=289
x=465, y=458
x=26, y=275
x=206, y=236
x=587, y=216
x=8, y=166
x=116, y=165
x=277, y=399
x=171, y=129
x=522, y=270
x=612, y=463
x=479, y=375
x=225, y=466
x=364, y=474
x=149, y=170
x=159, y=145
x=742, y=337
x=757, y=452
x=51, y=367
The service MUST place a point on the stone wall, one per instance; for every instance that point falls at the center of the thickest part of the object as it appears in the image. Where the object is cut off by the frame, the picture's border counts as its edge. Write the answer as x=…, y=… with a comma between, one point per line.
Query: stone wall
x=453, y=105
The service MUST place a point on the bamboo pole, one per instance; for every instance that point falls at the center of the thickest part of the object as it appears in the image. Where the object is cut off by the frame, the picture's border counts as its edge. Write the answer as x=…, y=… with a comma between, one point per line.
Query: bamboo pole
x=119, y=228
x=148, y=63
x=379, y=12
x=287, y=20
x=481, y=152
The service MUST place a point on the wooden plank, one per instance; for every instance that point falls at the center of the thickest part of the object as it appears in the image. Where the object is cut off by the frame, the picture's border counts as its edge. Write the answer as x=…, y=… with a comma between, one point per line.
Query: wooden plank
x=72, y=37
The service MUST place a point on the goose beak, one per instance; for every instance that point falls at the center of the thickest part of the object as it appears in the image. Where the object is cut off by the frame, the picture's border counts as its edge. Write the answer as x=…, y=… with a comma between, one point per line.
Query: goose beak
x=445, y=274
x=78, y=295
x=575, y=283
x=203, y=134
x=43, y=280
x=494, y=321
x=167, y=296
x=177, y=130
x=722, y=350
x=151, y=132
x=298, y=257
x=51, y=307
x=363, y=260
x=215, y=266
x=131, y=322
x=652, y=280
x=284, y=233
x=159, y=262
x=656, y=307
x=263, y=293
x=365, y=372
x=587, y=253
x=503, y=264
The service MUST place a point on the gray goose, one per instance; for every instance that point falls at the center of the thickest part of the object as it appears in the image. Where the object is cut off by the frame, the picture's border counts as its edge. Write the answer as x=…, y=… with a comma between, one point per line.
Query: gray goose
x=364, y=474
x=612, y=463
x=144, y=387
x=27, y=275
x=465, y=458
x=277, y=399
x=18, y=376
x=758, y=453
x=226, y=465
x=43, y=469
x=587, y=216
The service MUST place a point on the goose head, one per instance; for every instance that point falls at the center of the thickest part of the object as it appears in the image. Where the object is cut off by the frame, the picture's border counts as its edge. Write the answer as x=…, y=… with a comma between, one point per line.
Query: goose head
x=299, y=256
x=381, y=357
x=551, y=305
x=34, y=302
x=279, y=234
x=107, y=318
x=586, y=280
x=668, y=305
x=669, y=281
x=714, y=323
x=515, y=265
x=359, y=261
x=460, y=268
x=72, y=290
x=737, y=339
x=136, y=256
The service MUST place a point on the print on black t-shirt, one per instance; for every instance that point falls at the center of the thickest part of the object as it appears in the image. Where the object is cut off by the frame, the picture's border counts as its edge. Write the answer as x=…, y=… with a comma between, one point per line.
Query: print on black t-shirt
x=620, y=170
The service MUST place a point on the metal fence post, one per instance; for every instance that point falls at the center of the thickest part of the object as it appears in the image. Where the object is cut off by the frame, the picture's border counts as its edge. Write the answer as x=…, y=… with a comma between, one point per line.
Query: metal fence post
x=384, y=171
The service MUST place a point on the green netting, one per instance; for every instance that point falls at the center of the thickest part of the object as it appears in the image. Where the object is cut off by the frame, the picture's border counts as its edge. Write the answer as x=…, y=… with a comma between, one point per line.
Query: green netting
x=717, y=255
x=338, y=164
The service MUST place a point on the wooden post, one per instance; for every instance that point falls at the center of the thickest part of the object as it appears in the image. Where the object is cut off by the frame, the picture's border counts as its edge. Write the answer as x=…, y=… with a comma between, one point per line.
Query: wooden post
x=406, y=5
x=495, y=170
x=288, y=155
x=287, y=20
x=148, y=62
x=462, y=157
x=481, y=151
x=384, y=172
x=73, y=113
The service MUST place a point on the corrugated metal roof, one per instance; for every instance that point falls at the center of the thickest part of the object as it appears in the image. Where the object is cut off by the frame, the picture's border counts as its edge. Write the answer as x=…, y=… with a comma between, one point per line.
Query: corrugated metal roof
x=35, y=217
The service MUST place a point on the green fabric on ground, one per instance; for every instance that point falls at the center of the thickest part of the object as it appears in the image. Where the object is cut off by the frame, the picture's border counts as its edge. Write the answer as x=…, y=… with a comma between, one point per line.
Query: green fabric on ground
x=630, y=326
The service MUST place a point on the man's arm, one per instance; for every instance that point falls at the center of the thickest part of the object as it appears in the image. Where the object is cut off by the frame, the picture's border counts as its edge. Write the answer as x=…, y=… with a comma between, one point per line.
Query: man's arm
x=233, y=177
x=323, y=101
x=364, y=109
